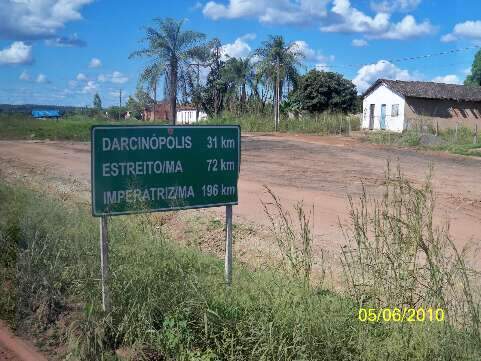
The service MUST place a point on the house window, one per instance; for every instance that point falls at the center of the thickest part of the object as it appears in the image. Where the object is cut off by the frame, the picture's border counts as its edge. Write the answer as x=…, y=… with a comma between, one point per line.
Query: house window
x=395, y=110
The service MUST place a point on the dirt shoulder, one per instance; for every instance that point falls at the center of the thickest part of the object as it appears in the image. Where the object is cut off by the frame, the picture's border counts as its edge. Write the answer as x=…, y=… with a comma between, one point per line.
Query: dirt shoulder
x=320, y=171
x=13, y=348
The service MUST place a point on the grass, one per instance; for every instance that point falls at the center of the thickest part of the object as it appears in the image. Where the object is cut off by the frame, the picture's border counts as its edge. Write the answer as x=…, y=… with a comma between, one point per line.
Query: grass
x=460, y=142
x=170, y=303
x=325, y=123
x=76, y=128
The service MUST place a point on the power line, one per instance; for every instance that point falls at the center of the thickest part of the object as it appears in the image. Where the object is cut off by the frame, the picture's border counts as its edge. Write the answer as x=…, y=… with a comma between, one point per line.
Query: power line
x=404, y=59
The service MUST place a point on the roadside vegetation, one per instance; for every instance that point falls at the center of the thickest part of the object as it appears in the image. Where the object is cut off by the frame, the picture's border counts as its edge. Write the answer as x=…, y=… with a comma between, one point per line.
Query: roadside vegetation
x=458, y=140
x=75, y=127
x=323, y=123
x=170, y=302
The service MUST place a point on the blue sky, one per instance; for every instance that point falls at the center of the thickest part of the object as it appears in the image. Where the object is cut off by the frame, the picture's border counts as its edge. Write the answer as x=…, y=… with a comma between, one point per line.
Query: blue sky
x=63, y=51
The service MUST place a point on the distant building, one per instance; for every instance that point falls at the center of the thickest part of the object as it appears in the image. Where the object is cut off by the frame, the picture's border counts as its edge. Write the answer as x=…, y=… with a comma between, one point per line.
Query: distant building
x=398, y=105
x=186, y=114
x=159, y=111
x=46, y=114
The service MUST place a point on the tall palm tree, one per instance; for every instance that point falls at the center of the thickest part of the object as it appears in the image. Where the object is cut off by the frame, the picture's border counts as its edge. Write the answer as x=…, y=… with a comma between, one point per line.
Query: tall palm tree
x=151, y=76
x=170, y=48
x=279, y=62
x=237, y=74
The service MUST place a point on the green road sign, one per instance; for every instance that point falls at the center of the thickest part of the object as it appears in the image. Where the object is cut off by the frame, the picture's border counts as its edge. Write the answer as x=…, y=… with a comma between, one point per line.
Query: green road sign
x=159, y=168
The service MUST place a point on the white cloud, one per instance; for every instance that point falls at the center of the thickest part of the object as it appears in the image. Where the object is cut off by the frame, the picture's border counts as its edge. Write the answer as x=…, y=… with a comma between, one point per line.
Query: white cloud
x=24, y=76
x=352, y=20
x=239, y=48
x=469, y=29
x=17, y=53
x=368, y=74
x=81, y=77
x=116, y=94
x=322, y=67
x=37, y=19
x=390, y=6
x=448, y=38
x=269, y=11
x=447, y=79
x=90, y=87
x=119, y=78
x=310, y=54
x=95, y=63
x=340, y=17
x=66, y=42
x=42, y=78
x=359, y=43
x=116, y=77
x=407, y=28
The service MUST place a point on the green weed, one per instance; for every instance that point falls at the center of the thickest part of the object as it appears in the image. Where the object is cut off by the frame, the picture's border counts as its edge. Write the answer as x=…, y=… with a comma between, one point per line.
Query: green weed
x=171, y=303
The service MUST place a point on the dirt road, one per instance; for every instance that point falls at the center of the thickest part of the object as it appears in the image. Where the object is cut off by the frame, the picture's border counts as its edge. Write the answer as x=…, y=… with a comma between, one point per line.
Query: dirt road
x=318, y=170
x=13, y=348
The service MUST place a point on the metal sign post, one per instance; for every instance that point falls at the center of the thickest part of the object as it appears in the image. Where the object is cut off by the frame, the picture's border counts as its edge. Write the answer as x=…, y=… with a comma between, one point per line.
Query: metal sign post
x=228, y=245
x=104, y=263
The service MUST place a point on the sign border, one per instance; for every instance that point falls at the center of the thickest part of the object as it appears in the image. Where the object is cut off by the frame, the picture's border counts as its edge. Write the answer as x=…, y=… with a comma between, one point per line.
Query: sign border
x=127, y=126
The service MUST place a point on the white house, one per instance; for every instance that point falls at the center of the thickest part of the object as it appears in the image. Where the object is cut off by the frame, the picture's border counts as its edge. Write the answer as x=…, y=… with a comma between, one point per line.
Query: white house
x=397, y=105
x=383, y=108
x=186, y=115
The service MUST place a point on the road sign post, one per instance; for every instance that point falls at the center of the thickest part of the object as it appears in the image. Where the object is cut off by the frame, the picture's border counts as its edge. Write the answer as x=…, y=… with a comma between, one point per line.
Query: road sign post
x=104, y=263
x=228, y=245
x=138, y=169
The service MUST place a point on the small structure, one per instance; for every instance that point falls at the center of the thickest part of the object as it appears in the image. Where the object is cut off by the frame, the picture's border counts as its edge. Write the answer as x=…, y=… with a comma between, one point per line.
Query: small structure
x=186, y=114
x=39, y=114
x=159, y=111
x=398, y=105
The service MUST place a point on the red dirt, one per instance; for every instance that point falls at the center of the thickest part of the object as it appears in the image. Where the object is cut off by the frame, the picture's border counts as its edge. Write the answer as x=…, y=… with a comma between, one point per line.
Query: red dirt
x=13, y=348
x=318, y=170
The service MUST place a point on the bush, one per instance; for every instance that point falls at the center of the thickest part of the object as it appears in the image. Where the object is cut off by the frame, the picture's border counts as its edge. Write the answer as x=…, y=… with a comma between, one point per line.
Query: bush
x=395, y=255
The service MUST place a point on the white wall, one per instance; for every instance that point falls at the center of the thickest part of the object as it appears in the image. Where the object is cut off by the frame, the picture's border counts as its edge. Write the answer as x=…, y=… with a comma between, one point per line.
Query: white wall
x=188, y=116
x=383, y=95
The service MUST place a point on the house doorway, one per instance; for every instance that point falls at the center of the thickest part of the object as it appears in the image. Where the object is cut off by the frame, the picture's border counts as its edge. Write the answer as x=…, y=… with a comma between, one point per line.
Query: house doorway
x=382, y=123
x=371, y=116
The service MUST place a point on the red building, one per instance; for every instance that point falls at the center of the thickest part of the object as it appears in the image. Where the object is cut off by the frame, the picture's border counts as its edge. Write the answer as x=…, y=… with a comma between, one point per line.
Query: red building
x=160, y=111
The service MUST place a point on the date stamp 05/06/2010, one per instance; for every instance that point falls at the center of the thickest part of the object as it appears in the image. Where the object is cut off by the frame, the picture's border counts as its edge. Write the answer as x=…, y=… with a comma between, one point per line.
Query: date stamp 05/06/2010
x=405, y=314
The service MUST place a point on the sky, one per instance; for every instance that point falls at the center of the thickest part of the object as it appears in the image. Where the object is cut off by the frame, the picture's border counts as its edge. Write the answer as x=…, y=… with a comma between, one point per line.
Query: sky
x=64, y=51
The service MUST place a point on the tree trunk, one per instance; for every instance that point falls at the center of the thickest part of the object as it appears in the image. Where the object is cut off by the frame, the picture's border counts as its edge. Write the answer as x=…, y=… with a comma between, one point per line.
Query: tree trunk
x=276, y=103
x=243, y=96
x=197, y=95
x=173, y=91
x=155, y=100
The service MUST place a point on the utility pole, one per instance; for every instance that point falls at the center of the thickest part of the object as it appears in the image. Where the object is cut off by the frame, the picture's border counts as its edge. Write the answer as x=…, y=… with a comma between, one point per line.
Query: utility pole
x=120, y=102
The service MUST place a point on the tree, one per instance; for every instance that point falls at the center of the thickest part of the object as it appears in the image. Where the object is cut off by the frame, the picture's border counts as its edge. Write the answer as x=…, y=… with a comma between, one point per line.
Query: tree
x=320, y=91
x=236, y=74
x=475, y=77
x=137, y=103
x=279, y=62
x=115, y=112
x=212, y=94
x=97, y=102
x=151, y=76
x=171, y=49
